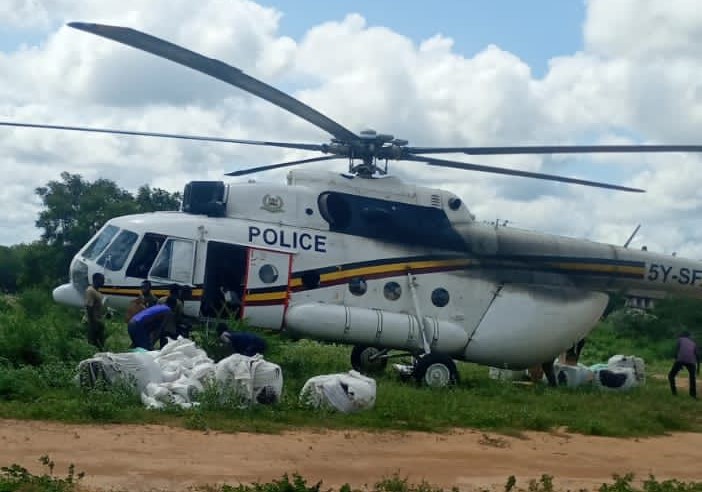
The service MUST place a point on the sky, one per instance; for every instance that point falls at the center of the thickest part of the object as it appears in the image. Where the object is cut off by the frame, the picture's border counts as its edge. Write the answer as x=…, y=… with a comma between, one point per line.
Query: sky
x=480, y=73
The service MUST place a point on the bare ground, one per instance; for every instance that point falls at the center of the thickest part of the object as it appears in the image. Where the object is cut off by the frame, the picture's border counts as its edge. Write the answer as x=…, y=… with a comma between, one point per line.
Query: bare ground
x=140, y=458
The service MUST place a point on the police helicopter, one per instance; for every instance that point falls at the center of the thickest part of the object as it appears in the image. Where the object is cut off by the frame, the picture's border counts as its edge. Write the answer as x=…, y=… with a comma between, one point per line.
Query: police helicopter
x=362, y=258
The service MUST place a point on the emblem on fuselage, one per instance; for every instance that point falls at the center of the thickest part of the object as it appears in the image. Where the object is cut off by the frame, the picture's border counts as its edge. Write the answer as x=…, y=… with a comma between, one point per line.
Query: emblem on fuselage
x=272, y=203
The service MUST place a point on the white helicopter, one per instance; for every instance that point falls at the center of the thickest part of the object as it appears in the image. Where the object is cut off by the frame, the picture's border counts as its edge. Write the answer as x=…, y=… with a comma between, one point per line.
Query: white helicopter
x=365, y=259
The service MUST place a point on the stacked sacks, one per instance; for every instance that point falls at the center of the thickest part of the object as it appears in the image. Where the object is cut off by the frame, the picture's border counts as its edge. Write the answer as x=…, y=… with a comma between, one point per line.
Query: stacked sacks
x=185, y=369
x=178, y=373
x=345, y=392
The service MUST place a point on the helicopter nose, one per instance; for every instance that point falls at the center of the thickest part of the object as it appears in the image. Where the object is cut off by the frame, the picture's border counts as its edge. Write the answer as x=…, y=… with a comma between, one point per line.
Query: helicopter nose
x=67, y=294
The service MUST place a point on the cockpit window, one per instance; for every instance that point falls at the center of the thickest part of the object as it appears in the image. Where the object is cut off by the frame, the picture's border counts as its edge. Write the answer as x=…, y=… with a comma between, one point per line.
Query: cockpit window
x=118, y=252
x=100, y=242
x=145, y=255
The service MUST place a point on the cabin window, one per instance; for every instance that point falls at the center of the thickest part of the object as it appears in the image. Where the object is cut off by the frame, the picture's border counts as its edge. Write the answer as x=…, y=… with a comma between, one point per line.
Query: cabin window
x=440, y=297
x=175, y=261
x=100, y=242
x=268, y=273
x=392, y=291
x=145, y=255
x=114, y=257
x=358, y=286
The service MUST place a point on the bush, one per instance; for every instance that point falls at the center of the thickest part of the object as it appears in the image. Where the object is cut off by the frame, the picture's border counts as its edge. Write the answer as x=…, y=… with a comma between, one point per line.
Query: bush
x=16, y=478
x=34, y=331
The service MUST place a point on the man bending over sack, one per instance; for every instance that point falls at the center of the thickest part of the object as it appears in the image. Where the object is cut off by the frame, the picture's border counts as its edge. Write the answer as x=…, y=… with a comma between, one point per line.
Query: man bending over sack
x=241, y=342
x=146, y=325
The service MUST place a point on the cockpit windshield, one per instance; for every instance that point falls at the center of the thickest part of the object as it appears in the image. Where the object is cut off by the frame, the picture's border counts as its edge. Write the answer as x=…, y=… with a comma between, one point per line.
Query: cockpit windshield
x=145, y=255
x=118, y=252
x=100, y=242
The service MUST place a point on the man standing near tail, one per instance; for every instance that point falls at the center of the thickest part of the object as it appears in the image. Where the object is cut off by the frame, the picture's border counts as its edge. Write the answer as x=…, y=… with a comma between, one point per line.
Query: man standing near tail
x=687, y=356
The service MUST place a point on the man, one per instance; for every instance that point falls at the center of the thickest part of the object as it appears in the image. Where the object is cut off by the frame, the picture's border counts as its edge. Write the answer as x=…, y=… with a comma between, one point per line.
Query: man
x=174, y=325
x=95, y=312
x=146, y=325
x=147, y=297
x=687, y=356
x=241, y=342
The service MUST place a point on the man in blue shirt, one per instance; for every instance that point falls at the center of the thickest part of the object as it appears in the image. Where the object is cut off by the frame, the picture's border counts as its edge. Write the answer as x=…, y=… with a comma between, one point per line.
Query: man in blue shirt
x=145, y=326
x=241, y=342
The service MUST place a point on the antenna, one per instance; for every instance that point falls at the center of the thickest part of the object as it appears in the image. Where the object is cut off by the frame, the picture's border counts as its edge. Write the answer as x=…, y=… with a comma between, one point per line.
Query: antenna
x=628, y=241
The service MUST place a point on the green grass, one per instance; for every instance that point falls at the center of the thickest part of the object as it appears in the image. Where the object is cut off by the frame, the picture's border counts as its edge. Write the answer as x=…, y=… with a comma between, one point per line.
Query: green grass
x=40, y=349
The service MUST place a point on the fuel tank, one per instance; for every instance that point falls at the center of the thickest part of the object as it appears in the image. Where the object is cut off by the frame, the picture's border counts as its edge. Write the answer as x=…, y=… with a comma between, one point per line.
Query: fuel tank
x=362, y=326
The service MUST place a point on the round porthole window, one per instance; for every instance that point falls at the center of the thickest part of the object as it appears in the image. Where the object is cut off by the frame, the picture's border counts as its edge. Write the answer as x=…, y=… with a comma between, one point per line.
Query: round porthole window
x=440, y=297
x=268, y=273
x=358, y=286
x=392, y=291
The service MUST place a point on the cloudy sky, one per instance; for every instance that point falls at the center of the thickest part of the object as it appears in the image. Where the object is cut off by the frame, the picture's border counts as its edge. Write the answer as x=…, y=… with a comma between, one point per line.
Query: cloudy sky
x=472, y=73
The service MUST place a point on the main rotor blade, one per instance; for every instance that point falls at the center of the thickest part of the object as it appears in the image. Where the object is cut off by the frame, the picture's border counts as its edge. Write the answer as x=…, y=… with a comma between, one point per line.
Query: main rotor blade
x=287, y=145
x=514, y=172
x=217, y=69
x=554, y=149
x=258, y=169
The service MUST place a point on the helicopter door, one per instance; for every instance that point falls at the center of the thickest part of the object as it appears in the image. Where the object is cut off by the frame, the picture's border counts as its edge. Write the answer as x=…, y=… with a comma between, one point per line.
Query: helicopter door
x=266, y=293
x=174, y=262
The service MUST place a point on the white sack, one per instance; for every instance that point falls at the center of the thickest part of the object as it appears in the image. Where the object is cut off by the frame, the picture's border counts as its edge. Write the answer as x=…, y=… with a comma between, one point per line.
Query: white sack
x=137, y=368
x=615, y=378
x=572, y=376
x=252, y=379
x=632, y=362
x=345, y=392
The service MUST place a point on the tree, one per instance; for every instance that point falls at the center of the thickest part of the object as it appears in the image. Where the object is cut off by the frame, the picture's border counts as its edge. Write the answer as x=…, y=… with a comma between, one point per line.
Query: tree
x=10, y=266
x=153, y=200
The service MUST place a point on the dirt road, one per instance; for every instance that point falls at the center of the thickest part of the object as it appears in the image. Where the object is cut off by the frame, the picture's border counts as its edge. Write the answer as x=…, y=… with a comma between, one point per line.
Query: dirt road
x=140, y=458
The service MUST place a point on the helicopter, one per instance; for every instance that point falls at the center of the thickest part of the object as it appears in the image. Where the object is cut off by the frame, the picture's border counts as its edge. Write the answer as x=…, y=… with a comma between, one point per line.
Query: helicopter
x=363, y=258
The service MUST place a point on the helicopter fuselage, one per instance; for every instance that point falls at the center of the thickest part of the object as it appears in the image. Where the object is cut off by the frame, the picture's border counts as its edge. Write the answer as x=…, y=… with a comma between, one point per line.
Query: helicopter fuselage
x=374, y=263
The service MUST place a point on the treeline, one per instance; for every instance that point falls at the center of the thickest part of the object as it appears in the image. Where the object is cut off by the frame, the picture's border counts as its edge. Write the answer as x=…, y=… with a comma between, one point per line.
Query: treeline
x=74, y=209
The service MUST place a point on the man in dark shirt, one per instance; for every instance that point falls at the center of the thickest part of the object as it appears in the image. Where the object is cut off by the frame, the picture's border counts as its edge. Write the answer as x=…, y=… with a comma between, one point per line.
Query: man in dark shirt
x=687, y=356
x=241, y=342
x=147, y=296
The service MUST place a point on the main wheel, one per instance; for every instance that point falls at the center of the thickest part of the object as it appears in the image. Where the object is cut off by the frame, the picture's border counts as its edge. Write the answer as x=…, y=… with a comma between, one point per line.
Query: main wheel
x=436, y=370
x=366, y=359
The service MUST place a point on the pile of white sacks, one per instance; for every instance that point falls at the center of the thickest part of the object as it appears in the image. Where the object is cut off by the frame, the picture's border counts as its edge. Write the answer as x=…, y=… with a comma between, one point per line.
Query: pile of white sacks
x=180, y=371
x=620, y=373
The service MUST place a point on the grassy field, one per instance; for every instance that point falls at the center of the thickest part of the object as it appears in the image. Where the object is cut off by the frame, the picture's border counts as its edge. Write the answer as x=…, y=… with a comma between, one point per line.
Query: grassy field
x=40, y=348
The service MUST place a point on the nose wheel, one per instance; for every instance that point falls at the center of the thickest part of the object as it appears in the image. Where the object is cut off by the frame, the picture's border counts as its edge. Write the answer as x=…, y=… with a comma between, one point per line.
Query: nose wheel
x=435, y=370
x=369, y=360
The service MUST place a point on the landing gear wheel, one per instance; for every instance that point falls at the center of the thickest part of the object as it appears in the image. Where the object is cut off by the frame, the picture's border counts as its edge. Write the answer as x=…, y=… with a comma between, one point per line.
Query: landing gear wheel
x=435, y=370
x=365, y=359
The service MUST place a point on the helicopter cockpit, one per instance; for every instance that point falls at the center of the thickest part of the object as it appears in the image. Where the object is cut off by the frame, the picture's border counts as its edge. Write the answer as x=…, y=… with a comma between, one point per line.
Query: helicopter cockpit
x=126, y=254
